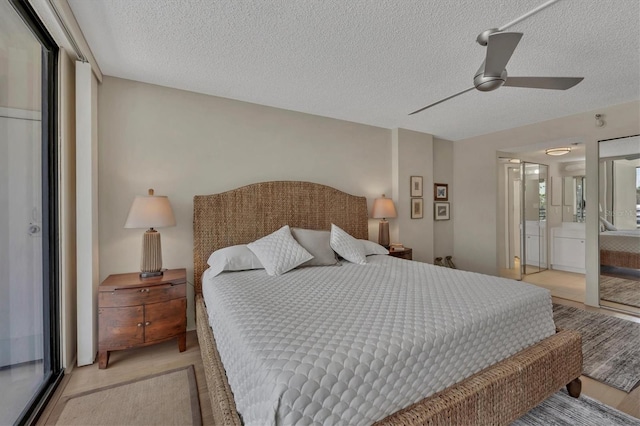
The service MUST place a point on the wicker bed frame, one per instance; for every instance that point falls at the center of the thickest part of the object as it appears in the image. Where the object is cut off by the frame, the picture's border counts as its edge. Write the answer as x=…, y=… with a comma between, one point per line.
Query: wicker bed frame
x=620, y=259
x=496, y=395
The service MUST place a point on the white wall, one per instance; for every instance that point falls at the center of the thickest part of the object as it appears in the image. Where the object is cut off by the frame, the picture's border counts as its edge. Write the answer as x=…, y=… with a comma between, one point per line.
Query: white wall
x=442, y=173
x=413, y=156
x=475, y=199
x=184, y=144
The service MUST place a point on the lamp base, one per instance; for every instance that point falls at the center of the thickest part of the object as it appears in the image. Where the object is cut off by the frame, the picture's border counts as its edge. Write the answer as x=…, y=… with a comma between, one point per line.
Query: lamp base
x=151, y=259
x=383, y=234
x=151, y=274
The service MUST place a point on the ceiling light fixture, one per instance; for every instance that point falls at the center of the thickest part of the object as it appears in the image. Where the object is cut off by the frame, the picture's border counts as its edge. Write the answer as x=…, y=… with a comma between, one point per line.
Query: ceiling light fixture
x=557, y=151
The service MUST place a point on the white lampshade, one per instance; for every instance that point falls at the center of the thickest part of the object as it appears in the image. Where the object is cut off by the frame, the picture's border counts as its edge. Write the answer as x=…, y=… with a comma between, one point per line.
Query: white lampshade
x=383, y=208
x=151, y=211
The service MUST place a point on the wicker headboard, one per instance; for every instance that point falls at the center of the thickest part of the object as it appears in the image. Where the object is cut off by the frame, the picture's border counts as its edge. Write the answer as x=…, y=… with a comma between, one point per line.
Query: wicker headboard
x=245, y=214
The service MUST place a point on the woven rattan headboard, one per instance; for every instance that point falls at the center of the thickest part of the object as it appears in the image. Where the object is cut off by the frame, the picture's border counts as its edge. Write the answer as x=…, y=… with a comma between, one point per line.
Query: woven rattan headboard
x=245, y=214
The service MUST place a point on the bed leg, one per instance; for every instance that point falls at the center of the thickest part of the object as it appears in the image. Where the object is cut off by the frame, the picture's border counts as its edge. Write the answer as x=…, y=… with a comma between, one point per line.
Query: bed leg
x=574, y=387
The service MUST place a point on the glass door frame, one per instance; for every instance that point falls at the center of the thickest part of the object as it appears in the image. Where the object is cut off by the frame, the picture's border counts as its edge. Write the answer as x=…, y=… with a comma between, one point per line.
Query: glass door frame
x=542, y=236
x=50, y=256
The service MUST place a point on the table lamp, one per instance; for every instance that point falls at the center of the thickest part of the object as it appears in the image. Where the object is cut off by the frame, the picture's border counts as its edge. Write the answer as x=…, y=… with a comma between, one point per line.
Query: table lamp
x=383, y=208
x=151, y=211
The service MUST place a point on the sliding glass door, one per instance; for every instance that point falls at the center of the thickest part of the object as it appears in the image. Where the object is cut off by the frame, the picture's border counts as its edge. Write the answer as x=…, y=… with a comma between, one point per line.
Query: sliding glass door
x=29, y=360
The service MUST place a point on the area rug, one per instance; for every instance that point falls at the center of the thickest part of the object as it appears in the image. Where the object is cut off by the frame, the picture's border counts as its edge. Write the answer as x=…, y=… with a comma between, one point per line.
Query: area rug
x=167, y=398
x=620, y=290
x=560, y=409
x=610, y=345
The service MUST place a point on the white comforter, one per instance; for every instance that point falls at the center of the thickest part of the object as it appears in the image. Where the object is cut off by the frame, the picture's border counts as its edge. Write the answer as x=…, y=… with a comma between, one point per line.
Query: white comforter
x=627, y=240
x=353, y=344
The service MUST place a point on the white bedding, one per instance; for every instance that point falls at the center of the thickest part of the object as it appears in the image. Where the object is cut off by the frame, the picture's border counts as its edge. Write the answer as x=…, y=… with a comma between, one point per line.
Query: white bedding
x=621, y=240
x=353, y=344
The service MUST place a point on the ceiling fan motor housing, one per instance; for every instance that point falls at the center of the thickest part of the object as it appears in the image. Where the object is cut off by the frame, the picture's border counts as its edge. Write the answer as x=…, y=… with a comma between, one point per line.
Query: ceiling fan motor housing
x=487, y=83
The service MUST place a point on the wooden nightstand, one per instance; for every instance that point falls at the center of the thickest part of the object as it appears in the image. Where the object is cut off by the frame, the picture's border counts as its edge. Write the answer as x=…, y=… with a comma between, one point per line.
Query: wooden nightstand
x=407, y=253
x=134, y=311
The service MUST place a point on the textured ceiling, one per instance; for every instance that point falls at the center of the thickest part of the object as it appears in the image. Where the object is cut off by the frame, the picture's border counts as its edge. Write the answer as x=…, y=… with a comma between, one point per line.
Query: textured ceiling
x=370, y=61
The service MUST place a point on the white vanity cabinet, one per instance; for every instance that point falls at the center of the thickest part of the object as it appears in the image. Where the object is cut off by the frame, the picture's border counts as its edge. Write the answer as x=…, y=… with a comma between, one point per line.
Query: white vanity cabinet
x=568, y=248
x=535, y=244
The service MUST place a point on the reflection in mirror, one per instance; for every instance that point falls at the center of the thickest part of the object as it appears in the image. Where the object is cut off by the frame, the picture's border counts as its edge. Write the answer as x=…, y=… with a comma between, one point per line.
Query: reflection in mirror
x=619, y=207
x=574, y=199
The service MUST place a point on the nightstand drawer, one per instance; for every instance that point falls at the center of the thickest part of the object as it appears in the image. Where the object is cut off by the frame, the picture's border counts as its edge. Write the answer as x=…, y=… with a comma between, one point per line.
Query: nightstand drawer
x=121, y=328
x=141, y=295
x=164, y=320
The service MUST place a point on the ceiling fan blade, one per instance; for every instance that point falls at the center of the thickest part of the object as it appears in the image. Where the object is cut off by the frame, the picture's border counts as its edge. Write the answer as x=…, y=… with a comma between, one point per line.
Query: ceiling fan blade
x=500, y=47
x=441, y=101
x=555, y=83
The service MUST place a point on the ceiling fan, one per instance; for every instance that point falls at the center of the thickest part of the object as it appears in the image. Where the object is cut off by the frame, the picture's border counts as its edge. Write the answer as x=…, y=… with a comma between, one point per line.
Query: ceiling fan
x=492, y=74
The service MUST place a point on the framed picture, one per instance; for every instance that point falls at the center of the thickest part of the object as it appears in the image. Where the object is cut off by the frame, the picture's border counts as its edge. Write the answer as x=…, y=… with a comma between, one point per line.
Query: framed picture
x=441, y=192
x=416, y=186
x=417, y=208
x=441, y=211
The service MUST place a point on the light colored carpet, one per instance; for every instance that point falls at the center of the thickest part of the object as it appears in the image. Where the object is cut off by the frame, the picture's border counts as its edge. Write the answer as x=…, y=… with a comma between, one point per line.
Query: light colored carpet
x=167, y=398
x=620, y=290
x=610, y=345
x=562, y=410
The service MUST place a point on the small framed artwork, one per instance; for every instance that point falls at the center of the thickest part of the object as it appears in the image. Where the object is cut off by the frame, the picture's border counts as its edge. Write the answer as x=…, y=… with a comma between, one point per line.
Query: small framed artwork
x=441, y=211
x=416, y=186
x=417, y=208
x=441, y=192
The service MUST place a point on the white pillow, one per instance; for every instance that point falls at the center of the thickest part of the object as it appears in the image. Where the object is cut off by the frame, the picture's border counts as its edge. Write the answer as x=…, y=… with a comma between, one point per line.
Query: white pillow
x=279, y=252
x=234, y=258
x=373, y=248
x=607, y=225
x=347, y=246
x=318, y=243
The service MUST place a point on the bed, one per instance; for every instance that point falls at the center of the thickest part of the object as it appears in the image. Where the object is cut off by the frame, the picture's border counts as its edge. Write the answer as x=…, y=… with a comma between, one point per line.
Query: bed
x=497, y=394
x=620, y=248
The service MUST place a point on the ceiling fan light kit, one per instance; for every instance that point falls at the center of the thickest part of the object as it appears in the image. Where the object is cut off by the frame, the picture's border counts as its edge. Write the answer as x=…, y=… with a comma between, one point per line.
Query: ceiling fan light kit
x=557, y=151
x=492, y=74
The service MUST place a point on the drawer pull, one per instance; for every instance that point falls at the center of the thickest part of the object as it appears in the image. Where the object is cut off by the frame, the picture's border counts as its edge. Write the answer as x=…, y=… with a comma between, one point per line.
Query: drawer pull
x=139, y=324
x=147, y=323
x=144, y=290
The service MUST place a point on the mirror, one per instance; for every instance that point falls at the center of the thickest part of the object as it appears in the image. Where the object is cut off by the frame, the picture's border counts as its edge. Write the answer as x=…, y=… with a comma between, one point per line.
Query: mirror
x=619, y=206
x=574, y=200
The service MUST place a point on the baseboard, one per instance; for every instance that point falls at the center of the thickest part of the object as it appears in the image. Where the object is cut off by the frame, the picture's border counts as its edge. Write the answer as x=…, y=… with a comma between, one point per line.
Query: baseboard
x=568, y=269
x=69, y=368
